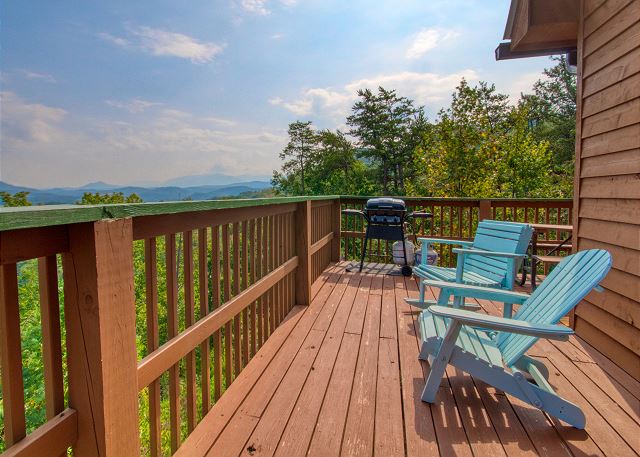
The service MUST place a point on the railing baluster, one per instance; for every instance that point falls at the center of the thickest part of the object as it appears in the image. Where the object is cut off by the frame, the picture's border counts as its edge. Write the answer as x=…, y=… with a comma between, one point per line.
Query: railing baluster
x=203, y=284
x=260, y=268
x=153, y=341
x=245, y=279
x=189, y=317
x=226, y=271
x=272, y=263
x=237, y=336
x=51, y=335
x=215, y=303
x=172, y=330
x=254, y=305
x=11, y=356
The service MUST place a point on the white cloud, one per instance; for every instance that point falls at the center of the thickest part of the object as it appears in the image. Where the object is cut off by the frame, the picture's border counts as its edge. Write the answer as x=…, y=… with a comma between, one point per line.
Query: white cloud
x=45, y=146
x=261, y=7
x=426, y=40
x=135, y=105
x=300, y=107
x=38, y=76
x=515, y=86
x=276, y=36
x=221, y=121
x=431, y=89
x=29, y=122
x=163, y=43
x=119, y=41
x=255, y=6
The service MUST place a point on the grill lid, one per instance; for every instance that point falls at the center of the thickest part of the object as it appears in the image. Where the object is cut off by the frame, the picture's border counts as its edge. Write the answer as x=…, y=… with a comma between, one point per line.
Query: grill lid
x=385, y=211
x=385, y=203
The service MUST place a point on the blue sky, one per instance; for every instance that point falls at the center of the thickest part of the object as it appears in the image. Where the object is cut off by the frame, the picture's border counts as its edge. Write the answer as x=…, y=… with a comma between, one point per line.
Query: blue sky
x=145, y=91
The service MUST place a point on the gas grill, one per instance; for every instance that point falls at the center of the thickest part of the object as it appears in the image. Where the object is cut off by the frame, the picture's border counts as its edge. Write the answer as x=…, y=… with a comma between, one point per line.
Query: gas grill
x=385, y=219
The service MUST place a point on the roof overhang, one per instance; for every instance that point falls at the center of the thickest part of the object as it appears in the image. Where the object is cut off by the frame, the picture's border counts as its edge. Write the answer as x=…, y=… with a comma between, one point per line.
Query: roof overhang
x=540, y=27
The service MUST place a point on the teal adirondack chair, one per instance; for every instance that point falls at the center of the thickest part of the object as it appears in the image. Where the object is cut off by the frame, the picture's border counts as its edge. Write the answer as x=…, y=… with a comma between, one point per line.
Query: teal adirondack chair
x=493, y=348
x=490, y=260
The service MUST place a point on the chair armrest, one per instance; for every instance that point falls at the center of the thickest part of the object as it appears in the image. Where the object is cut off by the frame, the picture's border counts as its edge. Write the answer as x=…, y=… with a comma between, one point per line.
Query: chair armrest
x=445, y=241
x=483, y=293
x=501, y=324
x=508, y=255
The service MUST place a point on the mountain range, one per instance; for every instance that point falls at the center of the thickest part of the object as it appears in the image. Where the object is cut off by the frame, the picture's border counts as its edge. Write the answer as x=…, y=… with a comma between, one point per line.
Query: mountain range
x=224, y=187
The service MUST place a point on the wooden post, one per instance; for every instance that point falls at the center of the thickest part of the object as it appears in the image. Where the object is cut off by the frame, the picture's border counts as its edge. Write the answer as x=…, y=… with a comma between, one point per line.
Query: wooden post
x=303, y=251
x=485, y=210
x=100, y=319
x=336, y=217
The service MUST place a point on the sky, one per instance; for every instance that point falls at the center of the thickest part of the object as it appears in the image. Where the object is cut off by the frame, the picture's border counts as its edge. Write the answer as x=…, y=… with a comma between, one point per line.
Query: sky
x=140, y=92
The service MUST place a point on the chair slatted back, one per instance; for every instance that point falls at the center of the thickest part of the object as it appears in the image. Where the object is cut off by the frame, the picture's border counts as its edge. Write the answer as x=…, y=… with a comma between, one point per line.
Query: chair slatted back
x=567, y=284
x=499, y=236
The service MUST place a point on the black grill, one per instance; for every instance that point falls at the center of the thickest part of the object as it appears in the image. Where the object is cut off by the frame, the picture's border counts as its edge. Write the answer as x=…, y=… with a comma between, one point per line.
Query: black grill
x=386, y=219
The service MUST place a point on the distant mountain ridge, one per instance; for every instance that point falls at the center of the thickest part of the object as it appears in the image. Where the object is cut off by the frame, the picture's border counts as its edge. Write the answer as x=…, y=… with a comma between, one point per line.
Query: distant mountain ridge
x=61, y=195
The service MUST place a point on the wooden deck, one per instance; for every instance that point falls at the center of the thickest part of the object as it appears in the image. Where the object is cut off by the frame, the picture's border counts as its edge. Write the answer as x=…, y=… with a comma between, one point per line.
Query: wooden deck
x=341, y=377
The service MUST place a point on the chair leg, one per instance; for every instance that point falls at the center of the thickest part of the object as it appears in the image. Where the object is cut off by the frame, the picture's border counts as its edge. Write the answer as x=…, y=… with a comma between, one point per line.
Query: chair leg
x=440, y=362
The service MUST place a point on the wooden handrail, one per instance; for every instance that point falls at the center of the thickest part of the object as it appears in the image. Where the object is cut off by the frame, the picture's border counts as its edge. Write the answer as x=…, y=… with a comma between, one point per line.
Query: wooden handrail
x=322, y=242
x=52, y=438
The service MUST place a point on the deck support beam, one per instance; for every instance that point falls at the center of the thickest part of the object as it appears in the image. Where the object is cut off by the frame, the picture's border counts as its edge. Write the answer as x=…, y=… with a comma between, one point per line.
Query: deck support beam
x=100, y=317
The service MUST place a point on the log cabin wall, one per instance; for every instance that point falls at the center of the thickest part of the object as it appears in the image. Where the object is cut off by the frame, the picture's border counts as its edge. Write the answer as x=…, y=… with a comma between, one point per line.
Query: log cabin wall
x=607, y=183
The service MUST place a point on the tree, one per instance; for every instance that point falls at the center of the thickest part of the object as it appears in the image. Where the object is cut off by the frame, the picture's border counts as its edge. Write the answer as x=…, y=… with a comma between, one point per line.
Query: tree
x=297, y=154
x=386, y=127
x=459, y=154
x=17, y=199
x=89, y=198
x=553, y=113
x=523, y=168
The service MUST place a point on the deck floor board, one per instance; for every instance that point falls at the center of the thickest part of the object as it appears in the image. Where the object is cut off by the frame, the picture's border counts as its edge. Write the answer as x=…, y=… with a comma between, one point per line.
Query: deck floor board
x=342, y=377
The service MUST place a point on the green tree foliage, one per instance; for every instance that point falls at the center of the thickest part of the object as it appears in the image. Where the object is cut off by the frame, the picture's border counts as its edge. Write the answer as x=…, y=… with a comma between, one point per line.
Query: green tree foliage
x=297, y=155
x=17, y=199
x=331, y=165
x=481, y=146
x=336, y=169
x=388, y=128
x=460, y=152
x=553, y=105
x=89, y=198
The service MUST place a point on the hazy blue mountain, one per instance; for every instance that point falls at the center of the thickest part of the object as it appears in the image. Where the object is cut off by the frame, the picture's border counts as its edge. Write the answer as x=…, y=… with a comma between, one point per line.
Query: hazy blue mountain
x=99, y=185
x=148, y=194
x=213, y=179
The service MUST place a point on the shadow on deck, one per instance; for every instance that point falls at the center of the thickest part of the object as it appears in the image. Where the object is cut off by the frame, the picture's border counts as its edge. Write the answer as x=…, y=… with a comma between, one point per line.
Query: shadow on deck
x=342, y=377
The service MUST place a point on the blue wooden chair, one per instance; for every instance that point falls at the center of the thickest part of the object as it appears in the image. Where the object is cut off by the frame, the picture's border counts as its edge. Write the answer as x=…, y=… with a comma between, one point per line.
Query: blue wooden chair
x=493, y=348
x=490, y=260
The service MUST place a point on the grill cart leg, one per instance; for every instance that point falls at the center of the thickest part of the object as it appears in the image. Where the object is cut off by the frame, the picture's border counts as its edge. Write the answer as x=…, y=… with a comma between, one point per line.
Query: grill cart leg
x=364, y=248
x=406, y=268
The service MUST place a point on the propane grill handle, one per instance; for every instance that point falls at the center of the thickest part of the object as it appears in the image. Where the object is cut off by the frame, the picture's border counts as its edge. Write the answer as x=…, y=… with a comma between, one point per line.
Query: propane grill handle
x=353, y=212
x=420, y=215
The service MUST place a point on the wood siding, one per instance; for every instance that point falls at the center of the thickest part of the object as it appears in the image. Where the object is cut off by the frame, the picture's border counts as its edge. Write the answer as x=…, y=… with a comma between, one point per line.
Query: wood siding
x=607, y=201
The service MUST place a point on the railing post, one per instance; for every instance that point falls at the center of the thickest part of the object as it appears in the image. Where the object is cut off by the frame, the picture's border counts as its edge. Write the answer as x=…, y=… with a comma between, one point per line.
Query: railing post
x=100, y=320
x=303, y=251
x=336, y=220
x=485, y=210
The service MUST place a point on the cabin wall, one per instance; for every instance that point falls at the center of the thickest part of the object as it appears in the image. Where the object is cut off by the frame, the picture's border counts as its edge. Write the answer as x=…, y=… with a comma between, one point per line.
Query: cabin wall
x=607, y=192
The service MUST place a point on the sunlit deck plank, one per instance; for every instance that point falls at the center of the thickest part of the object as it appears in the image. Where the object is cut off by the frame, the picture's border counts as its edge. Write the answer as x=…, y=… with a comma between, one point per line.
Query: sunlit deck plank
x=341, y=377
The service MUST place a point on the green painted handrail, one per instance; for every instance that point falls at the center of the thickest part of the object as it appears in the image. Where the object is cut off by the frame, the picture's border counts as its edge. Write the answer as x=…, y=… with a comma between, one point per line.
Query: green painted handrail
x=48, y=215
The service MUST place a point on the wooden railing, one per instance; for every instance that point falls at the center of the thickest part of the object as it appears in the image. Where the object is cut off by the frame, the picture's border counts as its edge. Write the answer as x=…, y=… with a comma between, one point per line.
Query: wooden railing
x=163, y=307
x=456, y=219
x=143, y=315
